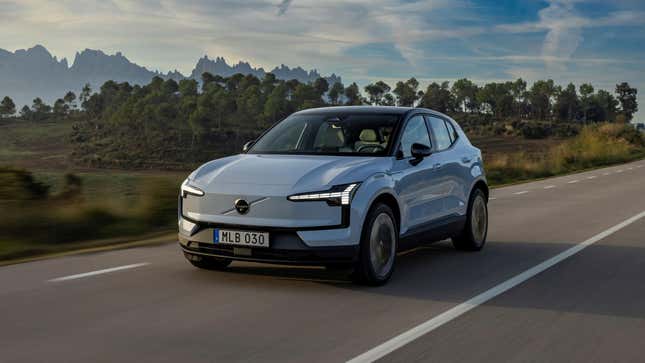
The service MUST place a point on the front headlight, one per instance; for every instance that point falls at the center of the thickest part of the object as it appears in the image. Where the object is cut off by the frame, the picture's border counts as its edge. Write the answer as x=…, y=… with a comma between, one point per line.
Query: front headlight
x=186, y=189
x=337, y=195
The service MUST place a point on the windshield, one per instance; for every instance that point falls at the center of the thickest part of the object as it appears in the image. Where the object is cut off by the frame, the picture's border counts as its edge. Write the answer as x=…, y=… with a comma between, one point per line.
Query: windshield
x=368, y=134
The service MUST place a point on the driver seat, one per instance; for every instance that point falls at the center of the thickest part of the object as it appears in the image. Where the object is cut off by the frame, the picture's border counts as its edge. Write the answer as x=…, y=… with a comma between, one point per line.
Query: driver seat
x=366, y=137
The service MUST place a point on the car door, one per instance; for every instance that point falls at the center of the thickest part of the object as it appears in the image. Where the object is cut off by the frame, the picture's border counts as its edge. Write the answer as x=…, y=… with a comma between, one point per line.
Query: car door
x=420, y=195
x=449, y=169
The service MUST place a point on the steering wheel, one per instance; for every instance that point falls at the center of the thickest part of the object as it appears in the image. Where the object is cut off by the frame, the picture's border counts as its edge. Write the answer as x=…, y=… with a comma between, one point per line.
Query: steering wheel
x=377, y=148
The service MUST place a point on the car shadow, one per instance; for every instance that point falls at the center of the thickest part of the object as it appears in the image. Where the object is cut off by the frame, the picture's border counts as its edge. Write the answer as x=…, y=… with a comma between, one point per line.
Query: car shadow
x=439, y=273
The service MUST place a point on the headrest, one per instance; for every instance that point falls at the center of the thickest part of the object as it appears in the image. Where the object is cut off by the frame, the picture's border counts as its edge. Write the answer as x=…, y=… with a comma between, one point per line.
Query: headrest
x=368, y=135
x=332, y=137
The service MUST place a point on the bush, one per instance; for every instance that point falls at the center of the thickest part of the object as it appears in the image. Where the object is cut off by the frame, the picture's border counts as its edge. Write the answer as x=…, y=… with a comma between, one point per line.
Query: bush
x=594, y=146
x=18, y=184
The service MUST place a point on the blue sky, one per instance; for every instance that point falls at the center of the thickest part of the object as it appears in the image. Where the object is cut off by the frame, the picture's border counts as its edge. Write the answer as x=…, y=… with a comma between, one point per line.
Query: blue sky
x=362, y=40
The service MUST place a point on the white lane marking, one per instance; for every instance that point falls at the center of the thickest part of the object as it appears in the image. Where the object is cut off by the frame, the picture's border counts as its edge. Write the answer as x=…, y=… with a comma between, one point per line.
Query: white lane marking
x=98, y=272
x=522, y=192
x=402, y=339
x=492, y=198
x=619, y=170
x=549, y=186
x=573, y=181
x=605, y=174
x=591, y=177
x=630, y=168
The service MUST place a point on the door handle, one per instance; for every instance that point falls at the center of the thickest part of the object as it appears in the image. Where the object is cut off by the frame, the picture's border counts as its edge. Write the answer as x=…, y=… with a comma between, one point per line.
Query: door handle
x=465, y=159
x=436, y=166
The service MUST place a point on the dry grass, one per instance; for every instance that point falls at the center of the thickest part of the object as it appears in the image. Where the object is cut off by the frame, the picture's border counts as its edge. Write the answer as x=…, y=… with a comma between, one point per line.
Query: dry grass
x=595, y=146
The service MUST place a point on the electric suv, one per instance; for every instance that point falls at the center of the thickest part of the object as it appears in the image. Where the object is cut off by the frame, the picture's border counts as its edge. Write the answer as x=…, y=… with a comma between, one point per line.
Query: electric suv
x=338, y=186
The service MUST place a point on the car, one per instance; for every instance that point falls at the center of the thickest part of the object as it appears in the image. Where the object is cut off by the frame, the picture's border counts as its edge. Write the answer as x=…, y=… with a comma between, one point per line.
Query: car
x=339, y=187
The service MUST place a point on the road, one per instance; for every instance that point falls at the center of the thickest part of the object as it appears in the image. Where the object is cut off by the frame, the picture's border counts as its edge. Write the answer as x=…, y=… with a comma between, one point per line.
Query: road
x=148, y=304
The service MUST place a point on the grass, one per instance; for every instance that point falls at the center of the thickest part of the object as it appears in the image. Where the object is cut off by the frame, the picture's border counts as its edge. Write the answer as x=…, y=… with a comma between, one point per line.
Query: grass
x=32, y=144
x=595, y=146
x=105, y=206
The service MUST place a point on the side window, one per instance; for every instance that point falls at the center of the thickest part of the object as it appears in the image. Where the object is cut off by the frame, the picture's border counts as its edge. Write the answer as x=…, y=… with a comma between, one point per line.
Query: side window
x=451, y=131
x=415, y=131
x=440, y=132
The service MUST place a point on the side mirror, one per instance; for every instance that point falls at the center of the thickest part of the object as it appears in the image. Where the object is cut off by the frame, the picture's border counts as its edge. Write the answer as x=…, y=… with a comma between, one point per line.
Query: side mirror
x=247, y=146
x=419, y=151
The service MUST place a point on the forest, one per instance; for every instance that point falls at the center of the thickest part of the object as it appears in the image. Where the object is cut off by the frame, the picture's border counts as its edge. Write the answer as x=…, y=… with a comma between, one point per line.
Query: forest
x=166, y=124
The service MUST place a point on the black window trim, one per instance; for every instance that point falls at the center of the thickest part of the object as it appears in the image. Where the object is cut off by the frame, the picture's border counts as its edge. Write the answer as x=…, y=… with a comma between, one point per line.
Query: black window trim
x=402, y=125
x=427, y=116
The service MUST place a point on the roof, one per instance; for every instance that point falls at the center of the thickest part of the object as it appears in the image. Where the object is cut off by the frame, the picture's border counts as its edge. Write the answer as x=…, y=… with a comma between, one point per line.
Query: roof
x=335, y=110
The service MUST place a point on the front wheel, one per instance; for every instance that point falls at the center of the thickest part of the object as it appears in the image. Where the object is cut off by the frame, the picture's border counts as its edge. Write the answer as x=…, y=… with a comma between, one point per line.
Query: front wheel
x=379, y=240
x=473, y=236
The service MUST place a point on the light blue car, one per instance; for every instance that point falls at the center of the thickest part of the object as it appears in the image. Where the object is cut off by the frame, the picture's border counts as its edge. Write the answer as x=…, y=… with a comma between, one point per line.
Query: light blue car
x=338, y=186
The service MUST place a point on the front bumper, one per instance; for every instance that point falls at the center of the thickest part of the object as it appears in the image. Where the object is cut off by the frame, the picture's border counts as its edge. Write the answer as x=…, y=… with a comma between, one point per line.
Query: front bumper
x=286, y=247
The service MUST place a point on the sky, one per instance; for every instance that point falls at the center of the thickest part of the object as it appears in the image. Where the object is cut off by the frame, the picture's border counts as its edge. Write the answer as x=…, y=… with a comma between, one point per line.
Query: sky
x=601, y=42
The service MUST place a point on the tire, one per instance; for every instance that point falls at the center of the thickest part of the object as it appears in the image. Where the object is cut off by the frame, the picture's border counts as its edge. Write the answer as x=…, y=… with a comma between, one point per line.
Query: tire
x=377, y=252
x=208, y=263
x=473, y=236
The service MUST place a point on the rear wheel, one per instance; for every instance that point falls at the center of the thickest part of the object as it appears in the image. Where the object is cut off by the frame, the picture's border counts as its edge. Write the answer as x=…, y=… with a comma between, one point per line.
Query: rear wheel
x=379, y=241
x=473, y=236
x=208, y=262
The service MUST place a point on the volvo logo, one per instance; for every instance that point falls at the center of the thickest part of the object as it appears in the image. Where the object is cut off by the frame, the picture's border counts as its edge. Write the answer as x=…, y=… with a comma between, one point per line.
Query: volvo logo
x=242, y=206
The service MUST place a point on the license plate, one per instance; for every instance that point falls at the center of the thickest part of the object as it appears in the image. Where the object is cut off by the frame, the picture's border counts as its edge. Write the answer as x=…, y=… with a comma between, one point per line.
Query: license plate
x=241, y=238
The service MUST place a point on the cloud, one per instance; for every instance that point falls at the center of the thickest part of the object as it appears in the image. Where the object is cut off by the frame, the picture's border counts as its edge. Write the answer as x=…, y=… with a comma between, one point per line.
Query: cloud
x=283, y=6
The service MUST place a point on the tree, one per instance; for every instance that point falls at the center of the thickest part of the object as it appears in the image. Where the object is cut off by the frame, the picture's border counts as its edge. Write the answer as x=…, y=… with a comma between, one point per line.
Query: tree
x=465, y=95
x=353, y=95
x=540, y=97
x=321, y=86
x=188, y=88
x=376, y=92
x=438, y=97
x=567, y=105
x=627, y=99
x=40, y=109
x=518, y=91
x=60, y=107
x=586, y=93
x=277, y=106
x=25, y=112
x=388, y=100
x=602, y=107
x=70, y=100
x=86, y=92
x=7, y=107
x=497, y=98
x=335, y=93
x=407, y=92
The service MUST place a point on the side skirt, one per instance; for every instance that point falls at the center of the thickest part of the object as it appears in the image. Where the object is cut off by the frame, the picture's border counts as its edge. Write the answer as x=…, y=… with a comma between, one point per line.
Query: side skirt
x=432, y=232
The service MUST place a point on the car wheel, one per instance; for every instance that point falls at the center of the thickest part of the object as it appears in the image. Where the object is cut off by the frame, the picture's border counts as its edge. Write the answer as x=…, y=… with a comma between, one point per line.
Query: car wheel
x=208, y=262
x=473, y=236
x=377, y=252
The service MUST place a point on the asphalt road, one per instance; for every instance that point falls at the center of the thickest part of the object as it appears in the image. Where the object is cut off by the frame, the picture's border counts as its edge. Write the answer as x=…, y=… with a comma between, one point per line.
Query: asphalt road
x=148, y=304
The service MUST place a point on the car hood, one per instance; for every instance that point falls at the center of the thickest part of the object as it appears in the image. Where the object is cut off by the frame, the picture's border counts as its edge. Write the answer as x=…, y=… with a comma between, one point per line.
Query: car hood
x=286, y=173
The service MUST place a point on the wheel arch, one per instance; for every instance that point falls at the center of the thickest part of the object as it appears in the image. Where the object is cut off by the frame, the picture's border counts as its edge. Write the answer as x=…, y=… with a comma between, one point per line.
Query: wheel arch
x=390, y=200
x=483, y=186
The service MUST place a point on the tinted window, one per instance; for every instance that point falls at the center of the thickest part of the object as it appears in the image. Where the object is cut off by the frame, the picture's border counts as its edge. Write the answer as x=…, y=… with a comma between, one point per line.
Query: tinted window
x=440, y=133
x=328, y=135
x=451, y=131
x=415, y=131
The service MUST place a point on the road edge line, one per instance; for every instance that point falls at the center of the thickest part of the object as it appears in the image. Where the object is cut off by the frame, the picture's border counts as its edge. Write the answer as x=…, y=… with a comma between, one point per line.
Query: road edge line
x=410, y=335
x=98, y=272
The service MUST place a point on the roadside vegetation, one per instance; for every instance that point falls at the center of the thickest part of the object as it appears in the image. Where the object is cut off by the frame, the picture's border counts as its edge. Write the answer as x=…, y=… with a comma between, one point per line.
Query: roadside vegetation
x=594, y=146
x=50, y=212
x=108, y=164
